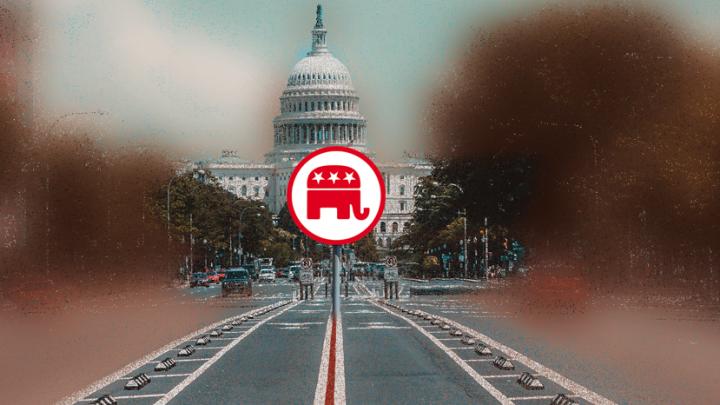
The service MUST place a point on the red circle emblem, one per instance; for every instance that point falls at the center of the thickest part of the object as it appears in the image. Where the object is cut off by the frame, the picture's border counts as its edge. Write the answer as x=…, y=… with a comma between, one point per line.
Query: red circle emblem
x=336, y=195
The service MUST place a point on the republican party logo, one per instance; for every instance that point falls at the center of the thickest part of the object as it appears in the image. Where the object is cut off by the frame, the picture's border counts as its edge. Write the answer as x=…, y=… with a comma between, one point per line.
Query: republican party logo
x=336, y=195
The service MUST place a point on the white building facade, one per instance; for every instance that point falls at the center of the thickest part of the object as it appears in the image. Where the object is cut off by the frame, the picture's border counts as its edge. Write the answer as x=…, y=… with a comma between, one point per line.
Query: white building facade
x=319, y=107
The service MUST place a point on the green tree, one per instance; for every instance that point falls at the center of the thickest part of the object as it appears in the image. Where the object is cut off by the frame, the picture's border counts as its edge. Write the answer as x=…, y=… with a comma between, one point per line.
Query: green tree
x=366, y=249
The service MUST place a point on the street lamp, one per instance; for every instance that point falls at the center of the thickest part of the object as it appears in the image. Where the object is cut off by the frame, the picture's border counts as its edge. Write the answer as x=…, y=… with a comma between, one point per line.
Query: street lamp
x=464, y=216
x=242, y=213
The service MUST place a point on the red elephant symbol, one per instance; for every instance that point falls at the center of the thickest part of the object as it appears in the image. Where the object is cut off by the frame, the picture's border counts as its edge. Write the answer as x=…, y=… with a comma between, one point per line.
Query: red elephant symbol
x=335, y=186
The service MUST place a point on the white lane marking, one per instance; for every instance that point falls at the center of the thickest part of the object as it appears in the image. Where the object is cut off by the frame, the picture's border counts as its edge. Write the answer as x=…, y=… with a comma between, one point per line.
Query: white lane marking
x=363, y=311
x=375, y=327
x=197, y=373
x=293, y=328
x=309, y=311
x=295, y=323
x=460, y=348
x=149, y=358
x=207, y=348
x=539, y=397
x=460, y=362
x=479, y=360
x=141, y=396
x=339, y=364
x=321, y=386
x=191, y=360
x=550, y=374
x=151, y=376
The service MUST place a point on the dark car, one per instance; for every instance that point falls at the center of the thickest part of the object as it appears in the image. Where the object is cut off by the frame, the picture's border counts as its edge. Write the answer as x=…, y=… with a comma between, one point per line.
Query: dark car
x=237, y=280
x=199, y=280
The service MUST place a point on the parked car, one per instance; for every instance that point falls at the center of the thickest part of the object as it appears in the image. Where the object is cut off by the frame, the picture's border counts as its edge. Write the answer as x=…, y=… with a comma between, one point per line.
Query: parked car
x=199, y=280
x=267, y=275
x=294, y=272
x=213, y=277
x=251, y=270
x=221, y=273
x=237, y=280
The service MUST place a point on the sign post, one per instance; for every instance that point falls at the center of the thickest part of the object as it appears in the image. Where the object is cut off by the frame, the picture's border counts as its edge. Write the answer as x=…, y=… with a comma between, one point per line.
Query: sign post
x=391, y=277
x=307, y=282
x=336, y=196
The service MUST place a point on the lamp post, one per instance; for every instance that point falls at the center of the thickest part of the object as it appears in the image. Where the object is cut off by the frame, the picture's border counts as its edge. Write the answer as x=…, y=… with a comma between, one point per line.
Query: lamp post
x=464, y=216
x=242, y=213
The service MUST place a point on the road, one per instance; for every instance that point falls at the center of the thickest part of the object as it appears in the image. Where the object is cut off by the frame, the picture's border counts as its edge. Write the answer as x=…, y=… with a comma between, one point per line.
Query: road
x=376, y=352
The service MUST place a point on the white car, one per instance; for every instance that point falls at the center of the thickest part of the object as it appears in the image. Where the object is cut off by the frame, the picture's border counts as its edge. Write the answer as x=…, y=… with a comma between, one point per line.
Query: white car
x=267, y=275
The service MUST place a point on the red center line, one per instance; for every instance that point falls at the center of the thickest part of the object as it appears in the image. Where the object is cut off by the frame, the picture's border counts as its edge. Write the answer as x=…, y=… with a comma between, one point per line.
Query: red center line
x=330, y=389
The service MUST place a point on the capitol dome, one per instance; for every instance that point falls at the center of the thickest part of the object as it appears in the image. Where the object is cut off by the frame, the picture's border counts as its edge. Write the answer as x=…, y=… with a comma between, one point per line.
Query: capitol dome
x=320, y=69
x=319, y=105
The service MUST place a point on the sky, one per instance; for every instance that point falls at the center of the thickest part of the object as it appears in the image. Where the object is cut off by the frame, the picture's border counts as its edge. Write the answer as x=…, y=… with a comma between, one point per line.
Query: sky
x=200, y=76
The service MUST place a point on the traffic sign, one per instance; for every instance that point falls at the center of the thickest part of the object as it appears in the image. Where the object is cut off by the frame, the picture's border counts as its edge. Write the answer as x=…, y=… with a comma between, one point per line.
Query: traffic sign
x=336, y=195
x=306, y=276
x=306, y=271
x=391, y=274
x=391, y=261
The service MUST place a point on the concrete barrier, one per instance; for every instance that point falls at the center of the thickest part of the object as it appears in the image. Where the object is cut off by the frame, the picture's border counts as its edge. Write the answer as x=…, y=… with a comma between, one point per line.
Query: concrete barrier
x=104, y=400
x=165, y=365
x=503, y=364
x=482, y=350
x=203, y=341
x=186, y=351
x=137, y=382
x=530, y=382
x=562, y=399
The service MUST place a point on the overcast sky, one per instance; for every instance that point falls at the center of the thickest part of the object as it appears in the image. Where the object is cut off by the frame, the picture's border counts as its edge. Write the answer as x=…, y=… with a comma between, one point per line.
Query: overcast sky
x=199, y=76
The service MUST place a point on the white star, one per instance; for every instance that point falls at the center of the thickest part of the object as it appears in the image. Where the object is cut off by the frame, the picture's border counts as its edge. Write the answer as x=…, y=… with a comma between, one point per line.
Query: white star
x=334, y=177
x=349, y=177
x=318, y=177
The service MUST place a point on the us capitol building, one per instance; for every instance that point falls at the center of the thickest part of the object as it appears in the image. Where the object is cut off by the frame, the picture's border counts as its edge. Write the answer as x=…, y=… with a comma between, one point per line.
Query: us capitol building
x=319, y=107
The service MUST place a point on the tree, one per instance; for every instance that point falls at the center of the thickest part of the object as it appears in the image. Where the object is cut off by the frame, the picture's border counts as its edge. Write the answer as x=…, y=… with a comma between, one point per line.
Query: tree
x=366, y=249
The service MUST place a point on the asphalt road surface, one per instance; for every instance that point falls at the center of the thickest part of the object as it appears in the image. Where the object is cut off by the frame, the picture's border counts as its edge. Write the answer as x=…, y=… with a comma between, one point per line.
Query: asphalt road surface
x=377, y=352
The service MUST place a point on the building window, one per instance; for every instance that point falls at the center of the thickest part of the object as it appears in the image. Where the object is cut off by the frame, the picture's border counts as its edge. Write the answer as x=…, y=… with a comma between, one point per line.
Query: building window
x=256, y=191
x=395, y=227
x=383, y=227
x=379, y=242
x=243, y=191
x=257, y=178
x=402, y=206
x=406, y=226
x=402, y=189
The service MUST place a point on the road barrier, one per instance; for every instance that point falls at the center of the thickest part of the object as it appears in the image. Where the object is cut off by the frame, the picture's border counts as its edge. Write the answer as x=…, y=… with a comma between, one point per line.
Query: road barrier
x=106, y=399
x=216, y=333
x=503, y=364
x=227, y=327
x=165, y=365
x=138, y=382
x=456, y=332
x=186, y=351
x=203, y=341
x=435, y=322
x=530, y=382
x=562, y=399
x=428, y=317
x=467, y=340
x=445, y=326
x=482, y=350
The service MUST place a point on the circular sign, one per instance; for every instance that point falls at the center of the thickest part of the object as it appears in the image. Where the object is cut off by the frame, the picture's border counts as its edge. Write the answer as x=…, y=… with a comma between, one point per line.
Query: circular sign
x=391, y=261
x=306, y=263
x=336, y=195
